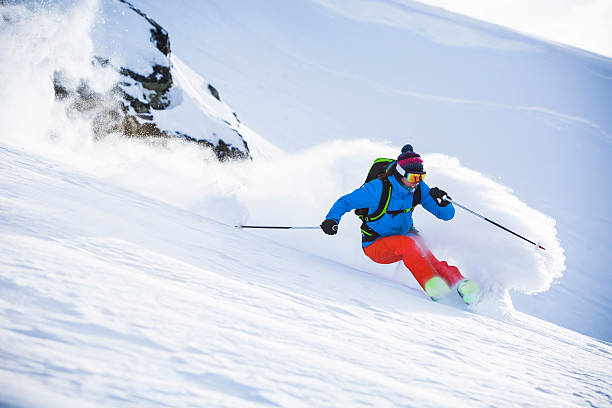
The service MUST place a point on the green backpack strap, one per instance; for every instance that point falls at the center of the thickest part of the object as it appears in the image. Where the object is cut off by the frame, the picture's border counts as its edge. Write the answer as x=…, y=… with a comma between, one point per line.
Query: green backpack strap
x=368, y=234
x=385, y=198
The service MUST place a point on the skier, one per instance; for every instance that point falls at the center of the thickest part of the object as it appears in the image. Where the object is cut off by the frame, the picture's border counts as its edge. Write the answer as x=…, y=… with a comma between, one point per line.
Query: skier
x=388, y=233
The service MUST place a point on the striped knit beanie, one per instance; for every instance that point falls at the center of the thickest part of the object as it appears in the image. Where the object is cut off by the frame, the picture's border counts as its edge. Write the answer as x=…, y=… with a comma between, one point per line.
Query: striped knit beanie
x=410, y=161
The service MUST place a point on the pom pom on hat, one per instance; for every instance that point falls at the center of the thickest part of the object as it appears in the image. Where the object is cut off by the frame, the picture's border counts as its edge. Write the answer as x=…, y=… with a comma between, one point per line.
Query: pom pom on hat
x=410, y=161
x=407, y=148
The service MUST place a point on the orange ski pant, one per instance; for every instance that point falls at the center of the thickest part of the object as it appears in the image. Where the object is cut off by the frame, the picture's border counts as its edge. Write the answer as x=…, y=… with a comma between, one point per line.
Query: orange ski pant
x=416, y=256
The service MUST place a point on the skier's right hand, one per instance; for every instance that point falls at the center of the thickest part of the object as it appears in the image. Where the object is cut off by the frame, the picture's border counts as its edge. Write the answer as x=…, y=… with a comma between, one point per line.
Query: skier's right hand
x=329, y=226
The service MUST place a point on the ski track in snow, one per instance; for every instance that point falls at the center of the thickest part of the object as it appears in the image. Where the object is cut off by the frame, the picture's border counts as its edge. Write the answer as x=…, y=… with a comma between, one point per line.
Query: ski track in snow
x=538, y=109
x=112, y=298
x=446, y=99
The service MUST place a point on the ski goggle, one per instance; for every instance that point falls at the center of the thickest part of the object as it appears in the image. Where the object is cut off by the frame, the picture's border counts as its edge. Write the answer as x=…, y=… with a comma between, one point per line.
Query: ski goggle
x=414, y=178
x=411, y=178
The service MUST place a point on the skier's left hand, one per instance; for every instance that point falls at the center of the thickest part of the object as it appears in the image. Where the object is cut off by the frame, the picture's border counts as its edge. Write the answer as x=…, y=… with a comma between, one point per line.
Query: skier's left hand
x=442, y=199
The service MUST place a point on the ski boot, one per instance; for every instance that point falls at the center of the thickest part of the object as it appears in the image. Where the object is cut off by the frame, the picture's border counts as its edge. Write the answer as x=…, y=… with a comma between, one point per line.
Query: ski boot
x=436, y=288
x=469, y=291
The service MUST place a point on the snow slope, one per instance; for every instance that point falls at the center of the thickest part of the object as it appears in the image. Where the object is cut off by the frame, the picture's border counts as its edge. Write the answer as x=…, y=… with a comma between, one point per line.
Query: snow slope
x=112, y=298
x=526, y=113
x=124, y=282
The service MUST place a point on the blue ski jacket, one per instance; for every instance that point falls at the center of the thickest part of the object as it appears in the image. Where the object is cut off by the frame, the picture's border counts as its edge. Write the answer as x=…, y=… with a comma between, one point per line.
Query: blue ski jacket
x=401, y=198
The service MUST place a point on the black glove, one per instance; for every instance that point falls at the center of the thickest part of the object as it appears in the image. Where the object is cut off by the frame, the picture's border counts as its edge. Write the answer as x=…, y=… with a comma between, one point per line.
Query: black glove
x=330, y=227
x=442, y=199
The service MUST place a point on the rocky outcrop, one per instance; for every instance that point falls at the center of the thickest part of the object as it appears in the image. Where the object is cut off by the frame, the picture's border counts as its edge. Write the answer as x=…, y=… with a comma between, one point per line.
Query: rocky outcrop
x=143, y=90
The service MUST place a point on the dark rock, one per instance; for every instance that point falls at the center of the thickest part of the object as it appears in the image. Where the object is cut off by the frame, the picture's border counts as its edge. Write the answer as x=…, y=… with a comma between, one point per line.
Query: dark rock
x=87, y=99
x=61, y=92
x=133, y=128
x=103, y=62
x=138, y=106
x=159, y=81
x=214, y=92
x=159, y=36
x=223, y=151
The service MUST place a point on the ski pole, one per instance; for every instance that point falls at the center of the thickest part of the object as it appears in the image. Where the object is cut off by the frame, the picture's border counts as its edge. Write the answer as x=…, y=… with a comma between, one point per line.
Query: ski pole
x=494, y=223
x=272, y=227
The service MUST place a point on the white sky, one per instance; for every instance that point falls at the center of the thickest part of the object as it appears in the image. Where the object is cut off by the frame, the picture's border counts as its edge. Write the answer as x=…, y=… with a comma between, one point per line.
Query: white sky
x=585, y=24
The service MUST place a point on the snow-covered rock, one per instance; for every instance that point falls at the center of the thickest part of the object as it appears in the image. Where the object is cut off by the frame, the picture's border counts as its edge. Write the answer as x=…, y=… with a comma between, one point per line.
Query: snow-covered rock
x=147, y=99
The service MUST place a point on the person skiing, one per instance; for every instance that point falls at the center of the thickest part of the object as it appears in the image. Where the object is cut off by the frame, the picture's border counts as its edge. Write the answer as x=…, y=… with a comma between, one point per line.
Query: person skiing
x=388, y=233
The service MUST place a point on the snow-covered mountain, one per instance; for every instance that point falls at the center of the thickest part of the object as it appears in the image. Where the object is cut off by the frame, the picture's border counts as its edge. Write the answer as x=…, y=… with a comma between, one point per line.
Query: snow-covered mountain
x=530, y=115
x=123, y=281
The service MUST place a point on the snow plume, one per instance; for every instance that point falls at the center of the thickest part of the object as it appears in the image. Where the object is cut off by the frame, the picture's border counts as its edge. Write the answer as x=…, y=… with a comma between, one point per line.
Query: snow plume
x=483, y=251
x=39, y=41
x=299, y=190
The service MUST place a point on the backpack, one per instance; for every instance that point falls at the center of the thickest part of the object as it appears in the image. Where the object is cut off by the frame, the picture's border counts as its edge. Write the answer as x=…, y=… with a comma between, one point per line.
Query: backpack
x=378, y=168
